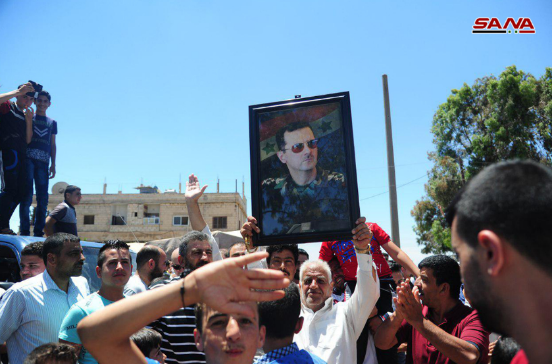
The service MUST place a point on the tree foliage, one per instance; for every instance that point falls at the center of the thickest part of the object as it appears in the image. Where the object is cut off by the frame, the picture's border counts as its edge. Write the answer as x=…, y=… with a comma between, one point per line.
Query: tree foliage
x=494, y=119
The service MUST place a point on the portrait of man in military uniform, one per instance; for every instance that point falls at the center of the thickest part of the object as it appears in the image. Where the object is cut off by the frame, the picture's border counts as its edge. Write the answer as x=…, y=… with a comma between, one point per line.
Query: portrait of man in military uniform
x=305, y=197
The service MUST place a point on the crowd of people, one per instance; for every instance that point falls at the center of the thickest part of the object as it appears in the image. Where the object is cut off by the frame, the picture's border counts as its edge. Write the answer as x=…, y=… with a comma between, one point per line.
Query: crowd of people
x=348, y=306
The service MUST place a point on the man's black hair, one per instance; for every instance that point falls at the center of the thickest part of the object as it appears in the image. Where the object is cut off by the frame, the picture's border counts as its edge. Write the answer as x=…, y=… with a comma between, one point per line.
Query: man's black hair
x=280, y=248
x=189, y=237
x=280, y=316
x=35, y=248
x=52, y=353
x=45, y=93
x=70, y=189
x=145, y=254
x=146, y=340
x=395, y=267
x=514, y=200
x=304, y=252
x=280, y=141
x=54, y=244
x=111, y=244
x=233, y=245
x=200, y=309
x=445, y=270
x=505, y=350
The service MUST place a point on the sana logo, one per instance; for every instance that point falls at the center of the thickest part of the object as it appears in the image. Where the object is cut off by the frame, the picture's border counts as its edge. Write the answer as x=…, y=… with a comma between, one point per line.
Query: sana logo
x=493, y=25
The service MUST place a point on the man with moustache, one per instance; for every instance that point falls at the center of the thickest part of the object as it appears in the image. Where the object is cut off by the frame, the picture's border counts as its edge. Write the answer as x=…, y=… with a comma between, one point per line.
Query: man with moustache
x=501, y=232
x=177, y=328
x=150, y=264
x=308, y=198
x=114, y=269
x=16, y=131
x=31, y=312
x=331, y=330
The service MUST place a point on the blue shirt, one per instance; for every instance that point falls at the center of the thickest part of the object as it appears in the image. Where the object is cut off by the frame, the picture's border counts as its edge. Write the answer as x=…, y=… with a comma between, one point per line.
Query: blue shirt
x=32, y=311
x=289, y=355
x=81, y=309
x=40, y=146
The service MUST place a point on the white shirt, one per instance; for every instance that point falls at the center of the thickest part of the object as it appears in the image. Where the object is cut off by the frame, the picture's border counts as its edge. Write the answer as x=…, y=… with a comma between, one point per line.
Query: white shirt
x=31, y=312
x=135, y=285
x=332, y=332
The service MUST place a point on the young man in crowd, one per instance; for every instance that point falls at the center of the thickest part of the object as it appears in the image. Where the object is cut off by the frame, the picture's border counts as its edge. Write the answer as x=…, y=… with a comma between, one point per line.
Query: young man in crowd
x=150, y=264
x=40, y=151
x=176, y=267
x=281, y=320
x=228, y=338
x=236, y=250
x=222, y=286
x=114, y=269
x=63, y=219
x=52, y=353
x=32, y=260
x=501, y=232
x=430, y=318
x=303, y=257
x=31, y=312
x=16, y=123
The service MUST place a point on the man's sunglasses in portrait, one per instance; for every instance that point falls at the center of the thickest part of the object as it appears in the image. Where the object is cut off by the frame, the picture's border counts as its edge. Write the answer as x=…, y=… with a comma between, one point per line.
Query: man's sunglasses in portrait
x=298, y=148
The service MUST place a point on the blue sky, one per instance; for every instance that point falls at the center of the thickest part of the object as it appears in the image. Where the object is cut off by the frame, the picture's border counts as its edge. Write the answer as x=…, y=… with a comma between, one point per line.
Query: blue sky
x=154, y=89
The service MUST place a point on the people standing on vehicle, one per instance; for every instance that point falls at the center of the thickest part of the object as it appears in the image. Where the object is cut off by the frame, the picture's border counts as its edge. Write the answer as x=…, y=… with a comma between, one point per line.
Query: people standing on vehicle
x=151, y=262
x=63, y=219
x=31, y=312
x=16, y=123
x=32, y=260
x=40, y=151
x=114, y=269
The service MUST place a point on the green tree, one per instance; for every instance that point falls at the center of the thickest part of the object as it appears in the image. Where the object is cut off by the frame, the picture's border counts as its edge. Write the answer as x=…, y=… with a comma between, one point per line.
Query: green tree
x=494, y=119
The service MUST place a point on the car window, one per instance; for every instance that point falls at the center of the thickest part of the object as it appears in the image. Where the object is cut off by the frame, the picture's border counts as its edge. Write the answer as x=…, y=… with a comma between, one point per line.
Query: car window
x=9, y=266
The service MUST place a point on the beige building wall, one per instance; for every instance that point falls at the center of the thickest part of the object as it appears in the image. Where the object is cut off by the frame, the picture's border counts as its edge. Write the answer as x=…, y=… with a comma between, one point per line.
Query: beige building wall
x=132, y=211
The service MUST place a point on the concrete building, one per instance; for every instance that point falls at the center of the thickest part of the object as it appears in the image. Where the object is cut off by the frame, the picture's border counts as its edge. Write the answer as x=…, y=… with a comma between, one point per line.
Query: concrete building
x=150, y=214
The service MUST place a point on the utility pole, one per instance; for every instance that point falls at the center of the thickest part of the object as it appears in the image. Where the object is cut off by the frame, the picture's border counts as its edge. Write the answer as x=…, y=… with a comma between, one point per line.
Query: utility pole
x=395, y=236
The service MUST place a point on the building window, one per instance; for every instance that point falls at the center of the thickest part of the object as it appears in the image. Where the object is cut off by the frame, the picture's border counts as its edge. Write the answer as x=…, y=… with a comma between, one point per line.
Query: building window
x=219, y=222
x=117, y=220
x=180, y=220
x=88, y=219
x=153, y=220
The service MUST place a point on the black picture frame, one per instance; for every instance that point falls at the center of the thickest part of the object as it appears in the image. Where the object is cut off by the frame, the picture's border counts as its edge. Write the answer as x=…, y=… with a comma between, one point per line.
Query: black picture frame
x=278, y=202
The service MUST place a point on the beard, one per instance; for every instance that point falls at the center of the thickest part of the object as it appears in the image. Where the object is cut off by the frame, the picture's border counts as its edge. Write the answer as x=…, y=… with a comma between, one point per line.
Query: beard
x=199, y=264
x=483, y=299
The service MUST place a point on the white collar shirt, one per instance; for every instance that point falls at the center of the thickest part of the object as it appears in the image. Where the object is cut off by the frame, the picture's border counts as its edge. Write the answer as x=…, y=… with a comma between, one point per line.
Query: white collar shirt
x=332, y=332
x=31, y=312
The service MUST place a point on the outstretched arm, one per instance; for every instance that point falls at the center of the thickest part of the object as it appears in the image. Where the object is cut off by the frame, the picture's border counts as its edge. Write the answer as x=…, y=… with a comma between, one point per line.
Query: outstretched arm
x=402, y=258
x=22, y=91
x=220, y=285
x=193, y=192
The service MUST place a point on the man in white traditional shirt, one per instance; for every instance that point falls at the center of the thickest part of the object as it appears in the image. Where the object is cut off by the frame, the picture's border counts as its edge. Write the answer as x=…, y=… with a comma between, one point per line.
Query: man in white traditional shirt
x=331, y=330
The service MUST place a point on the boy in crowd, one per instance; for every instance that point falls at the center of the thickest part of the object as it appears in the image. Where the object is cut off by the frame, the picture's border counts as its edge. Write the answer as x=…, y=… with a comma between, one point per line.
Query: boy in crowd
x=149, y=343
x=40, y=151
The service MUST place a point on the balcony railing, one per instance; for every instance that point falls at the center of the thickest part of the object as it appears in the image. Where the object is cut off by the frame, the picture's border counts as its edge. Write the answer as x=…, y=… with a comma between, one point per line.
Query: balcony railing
x=151, y=220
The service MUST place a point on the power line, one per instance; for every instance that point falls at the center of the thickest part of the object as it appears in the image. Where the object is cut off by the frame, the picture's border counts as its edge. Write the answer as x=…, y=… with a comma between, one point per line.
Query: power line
x=404, y=184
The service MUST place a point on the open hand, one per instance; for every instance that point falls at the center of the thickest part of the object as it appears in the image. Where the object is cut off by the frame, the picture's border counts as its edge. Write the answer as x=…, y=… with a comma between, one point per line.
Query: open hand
x=193, y=190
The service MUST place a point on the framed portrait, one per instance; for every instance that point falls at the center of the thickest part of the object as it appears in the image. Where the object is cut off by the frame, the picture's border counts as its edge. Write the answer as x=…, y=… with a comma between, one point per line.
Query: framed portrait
x=303, y=171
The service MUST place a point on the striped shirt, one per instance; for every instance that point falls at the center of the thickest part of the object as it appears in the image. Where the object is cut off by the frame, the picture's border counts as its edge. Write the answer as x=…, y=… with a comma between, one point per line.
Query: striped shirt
x=31, y=312
x=177, y=331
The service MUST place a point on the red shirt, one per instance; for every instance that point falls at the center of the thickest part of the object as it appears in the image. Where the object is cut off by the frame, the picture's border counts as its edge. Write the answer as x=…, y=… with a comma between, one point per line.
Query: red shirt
x=462, y=322
x=520, y=358
x=345, y=253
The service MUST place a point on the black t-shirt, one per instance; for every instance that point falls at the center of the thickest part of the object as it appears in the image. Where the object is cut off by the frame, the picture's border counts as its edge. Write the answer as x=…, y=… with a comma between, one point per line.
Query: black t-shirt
x=13, y=128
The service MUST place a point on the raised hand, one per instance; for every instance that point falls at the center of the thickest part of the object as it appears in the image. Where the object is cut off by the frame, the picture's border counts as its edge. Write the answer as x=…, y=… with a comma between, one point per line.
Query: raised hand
x=362, y=235
x=248, y=227
x=193, y=190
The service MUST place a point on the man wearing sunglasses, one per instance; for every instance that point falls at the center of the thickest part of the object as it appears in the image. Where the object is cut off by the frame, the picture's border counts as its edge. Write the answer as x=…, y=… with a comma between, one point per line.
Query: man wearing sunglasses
x=308, y=198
